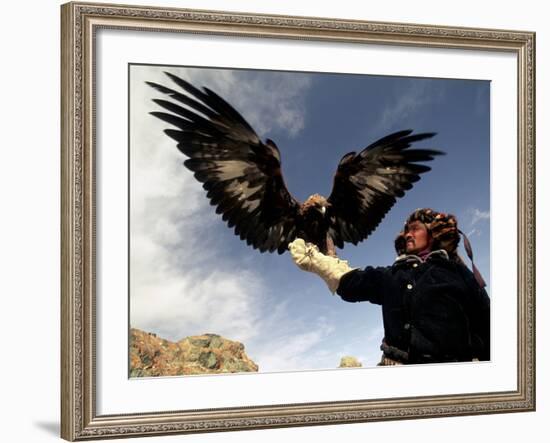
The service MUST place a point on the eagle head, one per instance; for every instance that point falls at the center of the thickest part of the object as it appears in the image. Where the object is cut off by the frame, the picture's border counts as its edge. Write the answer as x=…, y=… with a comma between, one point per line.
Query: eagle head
x=316, y=203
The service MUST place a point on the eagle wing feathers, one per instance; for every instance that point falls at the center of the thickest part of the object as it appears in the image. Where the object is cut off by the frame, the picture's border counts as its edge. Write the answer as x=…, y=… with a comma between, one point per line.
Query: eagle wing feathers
x=242, y=175
x=367, y=184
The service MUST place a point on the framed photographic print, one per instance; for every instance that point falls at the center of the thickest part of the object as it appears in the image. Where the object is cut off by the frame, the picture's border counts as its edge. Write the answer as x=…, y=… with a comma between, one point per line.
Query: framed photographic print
x=194, y=145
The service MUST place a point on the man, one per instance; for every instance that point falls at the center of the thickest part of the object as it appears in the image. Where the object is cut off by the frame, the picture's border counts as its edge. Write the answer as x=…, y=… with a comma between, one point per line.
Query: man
x=434, y=308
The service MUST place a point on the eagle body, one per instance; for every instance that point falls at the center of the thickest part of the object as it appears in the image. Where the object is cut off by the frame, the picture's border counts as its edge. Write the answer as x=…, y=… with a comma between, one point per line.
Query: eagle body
x=242, y=175
x=313, y=223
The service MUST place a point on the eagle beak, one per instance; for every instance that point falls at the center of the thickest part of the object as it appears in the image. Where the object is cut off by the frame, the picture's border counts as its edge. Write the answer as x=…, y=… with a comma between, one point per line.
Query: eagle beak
x=323, y=210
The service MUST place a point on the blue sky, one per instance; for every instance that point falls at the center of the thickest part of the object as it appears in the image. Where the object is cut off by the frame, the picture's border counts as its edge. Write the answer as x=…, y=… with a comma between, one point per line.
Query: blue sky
x=190, y=274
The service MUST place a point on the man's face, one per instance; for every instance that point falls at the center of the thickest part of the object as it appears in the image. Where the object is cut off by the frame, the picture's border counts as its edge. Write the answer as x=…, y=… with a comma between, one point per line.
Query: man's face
x=417, y=238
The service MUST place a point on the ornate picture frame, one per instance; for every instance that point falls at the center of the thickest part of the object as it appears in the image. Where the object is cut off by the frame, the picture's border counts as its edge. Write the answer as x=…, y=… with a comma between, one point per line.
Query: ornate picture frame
x=80, y=396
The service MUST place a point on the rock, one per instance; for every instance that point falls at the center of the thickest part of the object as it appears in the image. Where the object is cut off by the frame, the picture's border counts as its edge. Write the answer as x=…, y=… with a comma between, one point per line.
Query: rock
x=200, y=342
x=152, y=356
x=208, y=360
x=350, y=362
x=216, y=342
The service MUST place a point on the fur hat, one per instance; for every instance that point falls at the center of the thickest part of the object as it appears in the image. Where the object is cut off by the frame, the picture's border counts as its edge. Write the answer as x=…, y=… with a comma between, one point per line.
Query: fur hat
x=443, y=229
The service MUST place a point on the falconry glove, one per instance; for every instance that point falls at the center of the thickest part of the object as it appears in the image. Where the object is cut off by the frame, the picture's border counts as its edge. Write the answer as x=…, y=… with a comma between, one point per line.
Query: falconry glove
x=308, y=258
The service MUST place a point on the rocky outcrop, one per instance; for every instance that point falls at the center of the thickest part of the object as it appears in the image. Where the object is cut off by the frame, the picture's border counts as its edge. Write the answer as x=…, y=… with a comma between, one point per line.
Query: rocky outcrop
x=350, y=362
x=152, y=356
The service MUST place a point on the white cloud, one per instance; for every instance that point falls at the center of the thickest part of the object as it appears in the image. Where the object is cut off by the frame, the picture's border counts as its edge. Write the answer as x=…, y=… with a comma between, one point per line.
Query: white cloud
x=177, y=304
x=407, y=103
x=477, y=215
x=475, y=220
x=294, y=347
x=278, y=106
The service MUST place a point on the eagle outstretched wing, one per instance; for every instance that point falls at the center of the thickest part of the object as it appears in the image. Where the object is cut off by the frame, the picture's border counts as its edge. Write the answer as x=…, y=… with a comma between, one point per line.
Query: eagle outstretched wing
x=241, y=174
x=367, y=184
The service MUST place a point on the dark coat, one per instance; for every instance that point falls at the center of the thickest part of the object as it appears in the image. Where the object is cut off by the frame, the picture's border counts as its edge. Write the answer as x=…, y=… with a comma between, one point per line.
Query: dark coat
x=434, y=311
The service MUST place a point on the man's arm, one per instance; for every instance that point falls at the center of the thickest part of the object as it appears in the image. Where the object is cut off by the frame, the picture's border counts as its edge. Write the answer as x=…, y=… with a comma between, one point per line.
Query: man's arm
x=364, y=285
x=351, y=284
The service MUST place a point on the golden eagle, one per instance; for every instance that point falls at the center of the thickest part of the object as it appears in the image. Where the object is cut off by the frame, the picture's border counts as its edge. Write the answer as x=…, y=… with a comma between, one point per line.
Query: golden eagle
x=242, y=175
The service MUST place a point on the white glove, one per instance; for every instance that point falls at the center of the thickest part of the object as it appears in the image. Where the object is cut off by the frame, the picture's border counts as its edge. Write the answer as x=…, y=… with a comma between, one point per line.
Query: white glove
x=308, y=258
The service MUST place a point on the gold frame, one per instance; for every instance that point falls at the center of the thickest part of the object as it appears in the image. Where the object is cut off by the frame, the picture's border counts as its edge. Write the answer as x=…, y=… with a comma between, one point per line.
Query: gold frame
x=79, y=21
